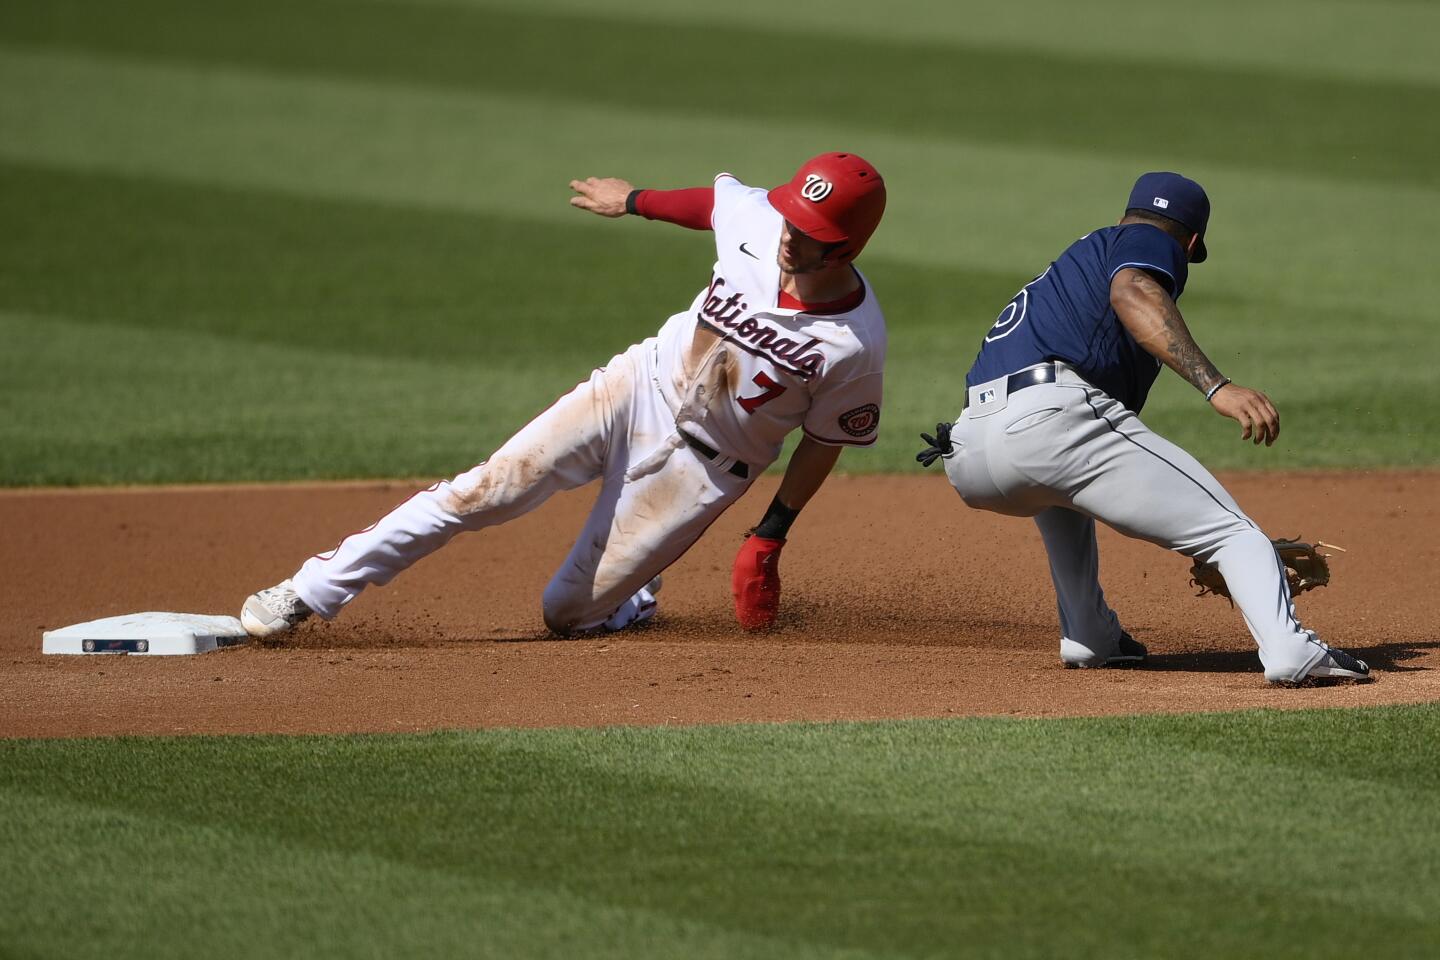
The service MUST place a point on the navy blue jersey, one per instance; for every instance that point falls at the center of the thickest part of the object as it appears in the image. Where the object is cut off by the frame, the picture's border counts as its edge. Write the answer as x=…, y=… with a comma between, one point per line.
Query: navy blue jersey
x=1065, y=314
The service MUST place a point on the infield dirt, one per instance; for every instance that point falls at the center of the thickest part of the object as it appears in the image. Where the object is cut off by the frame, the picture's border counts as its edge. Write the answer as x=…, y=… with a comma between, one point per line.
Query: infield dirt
x=899, y=602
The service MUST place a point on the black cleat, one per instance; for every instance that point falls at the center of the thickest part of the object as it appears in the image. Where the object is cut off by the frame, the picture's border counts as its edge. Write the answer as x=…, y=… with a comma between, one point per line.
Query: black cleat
x=1130, y=653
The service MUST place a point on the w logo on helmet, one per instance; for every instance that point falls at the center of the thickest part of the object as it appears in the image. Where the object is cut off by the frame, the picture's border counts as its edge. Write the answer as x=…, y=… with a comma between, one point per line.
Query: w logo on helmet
x=816, y=188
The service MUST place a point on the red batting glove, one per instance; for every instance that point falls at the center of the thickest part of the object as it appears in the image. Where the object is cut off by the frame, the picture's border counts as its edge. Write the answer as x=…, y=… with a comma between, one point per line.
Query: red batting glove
x=755, y=582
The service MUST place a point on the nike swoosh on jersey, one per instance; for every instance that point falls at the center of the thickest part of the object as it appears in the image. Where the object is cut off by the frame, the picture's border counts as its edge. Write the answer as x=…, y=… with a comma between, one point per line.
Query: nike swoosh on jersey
x=748, y=253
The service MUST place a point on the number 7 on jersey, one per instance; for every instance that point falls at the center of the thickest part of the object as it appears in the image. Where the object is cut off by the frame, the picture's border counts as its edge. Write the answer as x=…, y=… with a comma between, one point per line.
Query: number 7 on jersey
x=771, y=391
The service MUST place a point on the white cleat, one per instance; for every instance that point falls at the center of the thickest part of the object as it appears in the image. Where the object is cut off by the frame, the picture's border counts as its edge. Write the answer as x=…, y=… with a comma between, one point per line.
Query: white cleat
x=637, y=609
x=1335, y=665
x=274, y=610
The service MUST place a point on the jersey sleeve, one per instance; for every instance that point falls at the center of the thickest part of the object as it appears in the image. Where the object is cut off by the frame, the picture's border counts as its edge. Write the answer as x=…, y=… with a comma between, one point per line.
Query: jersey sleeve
x=737, y=205
x=847, y=413
x=1151, y=249
x=692, y=207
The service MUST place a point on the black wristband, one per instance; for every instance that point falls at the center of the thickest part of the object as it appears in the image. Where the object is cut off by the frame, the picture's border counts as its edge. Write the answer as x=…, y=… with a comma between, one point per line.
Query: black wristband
x=630, y=202
x=776, y=523
x=1210, y=394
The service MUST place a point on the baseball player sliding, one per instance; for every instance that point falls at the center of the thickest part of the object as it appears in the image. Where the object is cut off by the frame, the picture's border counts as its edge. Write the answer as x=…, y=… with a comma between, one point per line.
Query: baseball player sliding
x=1050, y=430
x=787, y=333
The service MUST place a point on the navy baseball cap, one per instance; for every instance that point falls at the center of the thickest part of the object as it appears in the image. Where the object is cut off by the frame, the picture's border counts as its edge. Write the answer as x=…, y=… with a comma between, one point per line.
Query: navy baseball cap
x=1179, y=198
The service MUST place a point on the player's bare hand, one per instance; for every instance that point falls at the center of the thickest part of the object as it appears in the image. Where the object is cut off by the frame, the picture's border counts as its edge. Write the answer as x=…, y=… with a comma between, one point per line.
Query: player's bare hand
x=1251, y=409
x=603, y=195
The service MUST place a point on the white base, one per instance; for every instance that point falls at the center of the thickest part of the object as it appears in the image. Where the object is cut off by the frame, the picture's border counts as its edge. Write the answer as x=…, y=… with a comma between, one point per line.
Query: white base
x=153, y=634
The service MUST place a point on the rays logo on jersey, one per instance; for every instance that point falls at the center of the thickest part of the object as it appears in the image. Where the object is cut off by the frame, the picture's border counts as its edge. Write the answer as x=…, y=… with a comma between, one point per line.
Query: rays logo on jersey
x=1014, y=313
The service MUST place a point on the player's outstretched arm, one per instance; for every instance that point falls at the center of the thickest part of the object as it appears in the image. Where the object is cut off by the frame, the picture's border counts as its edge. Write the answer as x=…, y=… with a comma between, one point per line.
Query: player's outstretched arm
x=690, y=207
x=602, y=195
x=1150, y=314
x=755, y=579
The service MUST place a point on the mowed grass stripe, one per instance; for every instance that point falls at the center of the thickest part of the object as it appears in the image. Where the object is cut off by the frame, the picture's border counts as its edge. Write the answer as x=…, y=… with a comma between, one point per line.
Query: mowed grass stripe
x=90, y=404
x=258, y=336
x=93, y=404
x=1337, y=38
x=1302, y=242
x=145, y=884
x=1182, y=836
x=1362, y=130
x=153, y=885
x=342, y=277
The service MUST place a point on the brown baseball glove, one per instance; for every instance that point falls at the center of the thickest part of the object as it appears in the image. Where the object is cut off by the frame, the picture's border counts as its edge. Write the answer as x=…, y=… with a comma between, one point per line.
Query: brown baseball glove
x=1305, y=567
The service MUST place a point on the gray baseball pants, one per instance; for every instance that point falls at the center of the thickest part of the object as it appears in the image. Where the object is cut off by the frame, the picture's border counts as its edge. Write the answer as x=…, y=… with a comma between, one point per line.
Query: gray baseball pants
x=1067, y=454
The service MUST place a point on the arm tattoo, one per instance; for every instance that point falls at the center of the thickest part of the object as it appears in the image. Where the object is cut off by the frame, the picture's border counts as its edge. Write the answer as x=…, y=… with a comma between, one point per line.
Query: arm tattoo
x=1184, y=355
x=1189, y=360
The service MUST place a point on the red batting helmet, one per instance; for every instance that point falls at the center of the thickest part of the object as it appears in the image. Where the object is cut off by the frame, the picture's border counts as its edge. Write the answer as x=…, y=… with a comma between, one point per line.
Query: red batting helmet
x=835, y=198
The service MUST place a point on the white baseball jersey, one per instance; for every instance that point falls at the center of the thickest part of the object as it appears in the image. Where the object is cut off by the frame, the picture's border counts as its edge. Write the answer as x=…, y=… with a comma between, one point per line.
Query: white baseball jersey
x=735, y=371
x=740, y=372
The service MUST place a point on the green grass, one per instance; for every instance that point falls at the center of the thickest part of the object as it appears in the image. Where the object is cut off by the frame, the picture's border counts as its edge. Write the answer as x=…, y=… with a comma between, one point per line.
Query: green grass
x=219, y=334
x=913, y=87
x=330, y=238
x=1264, y=834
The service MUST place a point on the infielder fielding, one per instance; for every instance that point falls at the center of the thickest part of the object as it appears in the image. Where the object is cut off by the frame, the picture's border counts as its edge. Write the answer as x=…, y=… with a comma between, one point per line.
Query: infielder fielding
x=1051, y=430
x=787, y=333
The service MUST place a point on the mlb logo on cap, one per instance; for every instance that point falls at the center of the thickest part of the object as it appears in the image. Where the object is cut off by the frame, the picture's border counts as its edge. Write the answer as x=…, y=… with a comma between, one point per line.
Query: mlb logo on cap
x=1182, y=199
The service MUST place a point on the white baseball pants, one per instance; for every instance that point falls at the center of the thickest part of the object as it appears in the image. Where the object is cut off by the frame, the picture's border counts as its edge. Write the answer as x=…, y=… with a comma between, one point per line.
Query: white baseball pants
x=639, y=525
x=1067, y=454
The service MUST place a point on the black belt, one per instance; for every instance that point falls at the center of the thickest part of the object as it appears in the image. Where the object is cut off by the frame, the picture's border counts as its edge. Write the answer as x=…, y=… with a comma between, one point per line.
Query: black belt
x=737, y=468
x=1035, y=376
